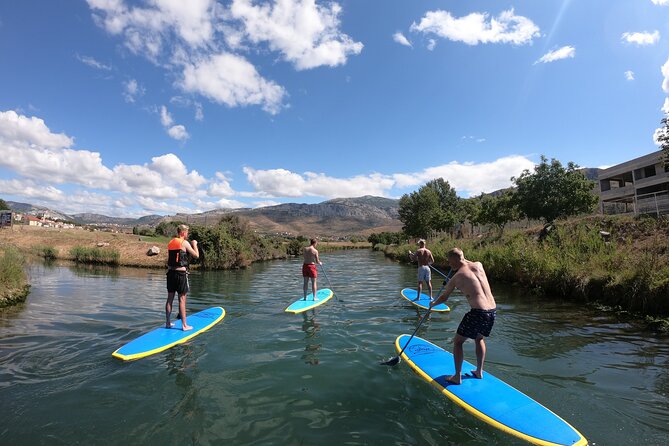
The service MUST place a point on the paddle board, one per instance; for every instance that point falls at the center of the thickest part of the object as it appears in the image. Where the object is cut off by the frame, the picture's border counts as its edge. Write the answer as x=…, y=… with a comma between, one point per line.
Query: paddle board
x=490, y=398
x=163, y=338
x=300, y=305
x=424, y=300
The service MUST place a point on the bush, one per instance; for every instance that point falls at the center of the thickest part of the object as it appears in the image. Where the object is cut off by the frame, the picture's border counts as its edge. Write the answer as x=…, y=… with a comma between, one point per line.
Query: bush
x=13, y=280
x=47, y=252
x=96, y=256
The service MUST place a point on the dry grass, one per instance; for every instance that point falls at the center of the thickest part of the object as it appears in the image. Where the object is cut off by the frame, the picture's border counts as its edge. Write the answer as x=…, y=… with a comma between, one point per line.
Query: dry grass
x=132, y=248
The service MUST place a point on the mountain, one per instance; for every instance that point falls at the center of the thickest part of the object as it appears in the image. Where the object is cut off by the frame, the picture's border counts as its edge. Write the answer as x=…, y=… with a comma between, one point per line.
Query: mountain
x=87, y=218
x=39, y=211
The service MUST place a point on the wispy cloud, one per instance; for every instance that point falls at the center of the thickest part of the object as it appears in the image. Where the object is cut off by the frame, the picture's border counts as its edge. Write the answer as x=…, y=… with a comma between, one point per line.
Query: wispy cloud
x=479, y=27
x=91, y=62
x=565, y=52
x=177, y=132
x=132, y=90
x=665, y=74
x=629, y=75
x=401, y=39
x=660, y=2
x=641, y=38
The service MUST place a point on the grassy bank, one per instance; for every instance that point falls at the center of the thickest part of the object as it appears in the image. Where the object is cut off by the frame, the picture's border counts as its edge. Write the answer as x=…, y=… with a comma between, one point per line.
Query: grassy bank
x=13, y=281
x=617, y=261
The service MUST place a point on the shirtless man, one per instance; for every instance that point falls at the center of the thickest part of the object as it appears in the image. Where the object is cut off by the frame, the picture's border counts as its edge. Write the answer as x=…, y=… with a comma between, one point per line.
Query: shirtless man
x=470, y=278
x=179, y=250
x=425, y=259
x=309, y=267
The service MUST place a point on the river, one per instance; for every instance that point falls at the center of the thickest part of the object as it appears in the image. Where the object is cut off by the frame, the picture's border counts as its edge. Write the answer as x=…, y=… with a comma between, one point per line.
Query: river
x=266, y=377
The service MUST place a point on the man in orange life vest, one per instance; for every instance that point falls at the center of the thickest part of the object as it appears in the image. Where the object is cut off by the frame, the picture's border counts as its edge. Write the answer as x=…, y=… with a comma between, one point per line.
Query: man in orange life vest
x=178, y=251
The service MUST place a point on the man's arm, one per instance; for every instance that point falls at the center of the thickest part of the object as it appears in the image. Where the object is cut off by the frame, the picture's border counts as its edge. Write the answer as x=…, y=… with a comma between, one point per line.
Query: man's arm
x=192, y=250
x=444, y=296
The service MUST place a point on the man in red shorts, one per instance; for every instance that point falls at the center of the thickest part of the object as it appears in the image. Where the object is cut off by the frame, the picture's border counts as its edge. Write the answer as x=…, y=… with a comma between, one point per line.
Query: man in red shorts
x=309, y=267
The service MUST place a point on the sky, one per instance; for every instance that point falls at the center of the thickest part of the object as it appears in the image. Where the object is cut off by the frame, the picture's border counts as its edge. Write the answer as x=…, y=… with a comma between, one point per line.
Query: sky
x=167, y=106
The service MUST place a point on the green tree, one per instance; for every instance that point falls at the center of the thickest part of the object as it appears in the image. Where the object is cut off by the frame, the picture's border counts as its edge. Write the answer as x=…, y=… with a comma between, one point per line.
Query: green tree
x=553, y=192
x=498, y=210
x=663, y=139
x=3, y=204
x=434, y=207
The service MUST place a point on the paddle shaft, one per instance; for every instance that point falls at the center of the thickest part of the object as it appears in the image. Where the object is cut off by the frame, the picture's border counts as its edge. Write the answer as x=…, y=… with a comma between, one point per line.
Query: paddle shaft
x=329, y=284
x=445, y=276
x=414, y=332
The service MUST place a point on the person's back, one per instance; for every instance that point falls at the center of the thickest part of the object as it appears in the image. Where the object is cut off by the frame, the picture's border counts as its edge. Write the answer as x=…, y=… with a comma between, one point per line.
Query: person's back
x=424, y=257
x=310, y=254
x=473, y=282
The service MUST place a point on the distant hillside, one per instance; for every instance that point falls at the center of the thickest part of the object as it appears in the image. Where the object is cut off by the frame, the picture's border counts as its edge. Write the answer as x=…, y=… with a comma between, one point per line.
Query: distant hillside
x=87, y=218
x=39, y=211
x=337, y=217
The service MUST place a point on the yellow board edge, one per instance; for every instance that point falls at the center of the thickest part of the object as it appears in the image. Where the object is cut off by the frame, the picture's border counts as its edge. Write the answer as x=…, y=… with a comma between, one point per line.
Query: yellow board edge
x=321, y=302
x=581, y=442
x=165, y=347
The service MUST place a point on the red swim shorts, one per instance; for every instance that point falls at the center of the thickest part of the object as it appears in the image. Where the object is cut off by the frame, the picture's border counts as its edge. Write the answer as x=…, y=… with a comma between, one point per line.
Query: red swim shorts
x=309, y=270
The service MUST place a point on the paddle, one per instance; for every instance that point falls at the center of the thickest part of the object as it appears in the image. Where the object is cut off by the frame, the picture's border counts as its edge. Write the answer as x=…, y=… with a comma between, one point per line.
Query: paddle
x=445, y=276
x=329, y=284
x=396, y=360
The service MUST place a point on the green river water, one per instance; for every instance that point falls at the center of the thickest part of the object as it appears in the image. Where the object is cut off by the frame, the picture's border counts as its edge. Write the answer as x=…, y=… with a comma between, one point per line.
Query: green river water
x=265, y=377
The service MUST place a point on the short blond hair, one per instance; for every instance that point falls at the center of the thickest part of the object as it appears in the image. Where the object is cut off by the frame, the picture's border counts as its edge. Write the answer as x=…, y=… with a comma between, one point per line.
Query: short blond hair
x=182, y=228
x=456, y=253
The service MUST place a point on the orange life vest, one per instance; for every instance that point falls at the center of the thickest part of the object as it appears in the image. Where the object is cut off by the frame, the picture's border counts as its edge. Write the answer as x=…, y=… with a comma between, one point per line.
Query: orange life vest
x=176, y=255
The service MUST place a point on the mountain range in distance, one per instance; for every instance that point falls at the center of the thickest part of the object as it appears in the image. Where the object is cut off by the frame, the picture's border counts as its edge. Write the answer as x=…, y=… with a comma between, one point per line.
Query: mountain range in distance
x=337, y=217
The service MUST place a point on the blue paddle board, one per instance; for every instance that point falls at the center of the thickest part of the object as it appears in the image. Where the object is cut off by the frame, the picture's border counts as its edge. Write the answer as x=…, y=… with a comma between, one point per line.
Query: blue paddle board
x=301, y=305
x=424, y=300
x=490, y=398
x=163, y=338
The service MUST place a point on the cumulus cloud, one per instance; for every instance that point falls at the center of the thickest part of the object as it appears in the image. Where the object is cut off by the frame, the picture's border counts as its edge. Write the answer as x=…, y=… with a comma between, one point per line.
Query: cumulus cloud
x=221, y=187
x=641, y=38
x=177, y=132
x=202, y=41
x=232, y=80
x=665, y=106
x=665, y=75
x=479, y=27
x=306, y=34
x=132, y=90
x=401, y=39
x=565, y=52
x=629, y=75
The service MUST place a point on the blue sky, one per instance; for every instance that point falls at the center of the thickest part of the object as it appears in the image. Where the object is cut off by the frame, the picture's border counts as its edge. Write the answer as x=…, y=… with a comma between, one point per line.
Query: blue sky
x=164, y=106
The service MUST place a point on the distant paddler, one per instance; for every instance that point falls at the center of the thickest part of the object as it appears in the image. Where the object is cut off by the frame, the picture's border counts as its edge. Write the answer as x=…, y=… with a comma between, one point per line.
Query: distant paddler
x=309, y=270
x=470, y=278
x=425, y=259
x=179, y=249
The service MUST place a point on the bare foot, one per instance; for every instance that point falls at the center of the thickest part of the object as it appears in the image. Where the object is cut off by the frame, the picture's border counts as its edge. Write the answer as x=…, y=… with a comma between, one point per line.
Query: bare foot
x=186, y=328
x=170, y=325
x=315, y=298
x=476, y=374
x=454, y=379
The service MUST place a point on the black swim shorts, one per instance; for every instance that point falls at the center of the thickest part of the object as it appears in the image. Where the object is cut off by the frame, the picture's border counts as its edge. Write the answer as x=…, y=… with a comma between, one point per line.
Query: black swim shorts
x=477, y=322
x=177, y=281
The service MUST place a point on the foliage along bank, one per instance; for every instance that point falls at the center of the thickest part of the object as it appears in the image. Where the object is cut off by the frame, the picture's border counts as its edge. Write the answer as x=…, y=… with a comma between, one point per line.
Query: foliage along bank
x=618, y=261
x=13, y=280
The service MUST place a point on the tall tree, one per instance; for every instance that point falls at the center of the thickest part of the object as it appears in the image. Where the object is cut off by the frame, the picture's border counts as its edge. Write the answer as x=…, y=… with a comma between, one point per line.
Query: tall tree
x=552, y=191
x=434, y=207
x=498, y=210
x=662, y=137
x=3, y=204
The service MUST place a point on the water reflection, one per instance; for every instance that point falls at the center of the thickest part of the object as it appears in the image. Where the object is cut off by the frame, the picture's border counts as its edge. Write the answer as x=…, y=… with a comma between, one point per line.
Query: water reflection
x=311, y=328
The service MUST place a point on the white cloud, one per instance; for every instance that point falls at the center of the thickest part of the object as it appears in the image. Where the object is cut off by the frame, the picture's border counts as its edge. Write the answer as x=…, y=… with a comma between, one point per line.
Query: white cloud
x=15, y=128
x=220, y=188
x=641, y=38
x=165, y=117
x=665, y=106
x=266, y=203
x=132, y=90
x=91, y=62
x=178, y=132
x=32, y=190
x=401, y=39
x=665, y=74
x=478, y=27
x=231, y=80
x=431, y=44
x=657, y=134
x=470, y=179
x=562, y=53
x=660, y=2
x=629, y=75
x=306, y=34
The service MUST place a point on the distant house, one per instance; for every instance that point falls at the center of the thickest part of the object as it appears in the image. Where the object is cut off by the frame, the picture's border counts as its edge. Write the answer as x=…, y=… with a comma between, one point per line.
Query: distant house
x=638, y=186
x=33, y=221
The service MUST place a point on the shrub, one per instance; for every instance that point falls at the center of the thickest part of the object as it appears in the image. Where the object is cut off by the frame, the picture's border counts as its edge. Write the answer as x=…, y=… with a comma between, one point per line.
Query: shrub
x=96, y=256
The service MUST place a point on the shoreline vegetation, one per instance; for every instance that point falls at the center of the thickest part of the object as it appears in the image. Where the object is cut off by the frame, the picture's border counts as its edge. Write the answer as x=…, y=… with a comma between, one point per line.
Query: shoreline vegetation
x=14, y=287
x=620, y=262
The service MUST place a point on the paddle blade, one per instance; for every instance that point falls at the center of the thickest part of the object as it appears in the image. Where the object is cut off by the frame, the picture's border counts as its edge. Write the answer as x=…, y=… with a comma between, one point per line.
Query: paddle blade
x=392, y=361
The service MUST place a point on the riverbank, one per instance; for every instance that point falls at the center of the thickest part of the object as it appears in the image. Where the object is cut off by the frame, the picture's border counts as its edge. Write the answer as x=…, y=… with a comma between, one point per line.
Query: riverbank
x=14, y=287
x=617, y=261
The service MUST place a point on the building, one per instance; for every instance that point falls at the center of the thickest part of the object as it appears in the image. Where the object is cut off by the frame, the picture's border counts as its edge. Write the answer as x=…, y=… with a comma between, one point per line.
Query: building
x=638, y=186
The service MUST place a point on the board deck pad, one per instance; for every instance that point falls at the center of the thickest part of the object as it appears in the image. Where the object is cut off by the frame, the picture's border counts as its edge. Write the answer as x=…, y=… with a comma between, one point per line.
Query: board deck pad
x=163, y=338
x=424, y=301
x=490, y=398
x=301, y=305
